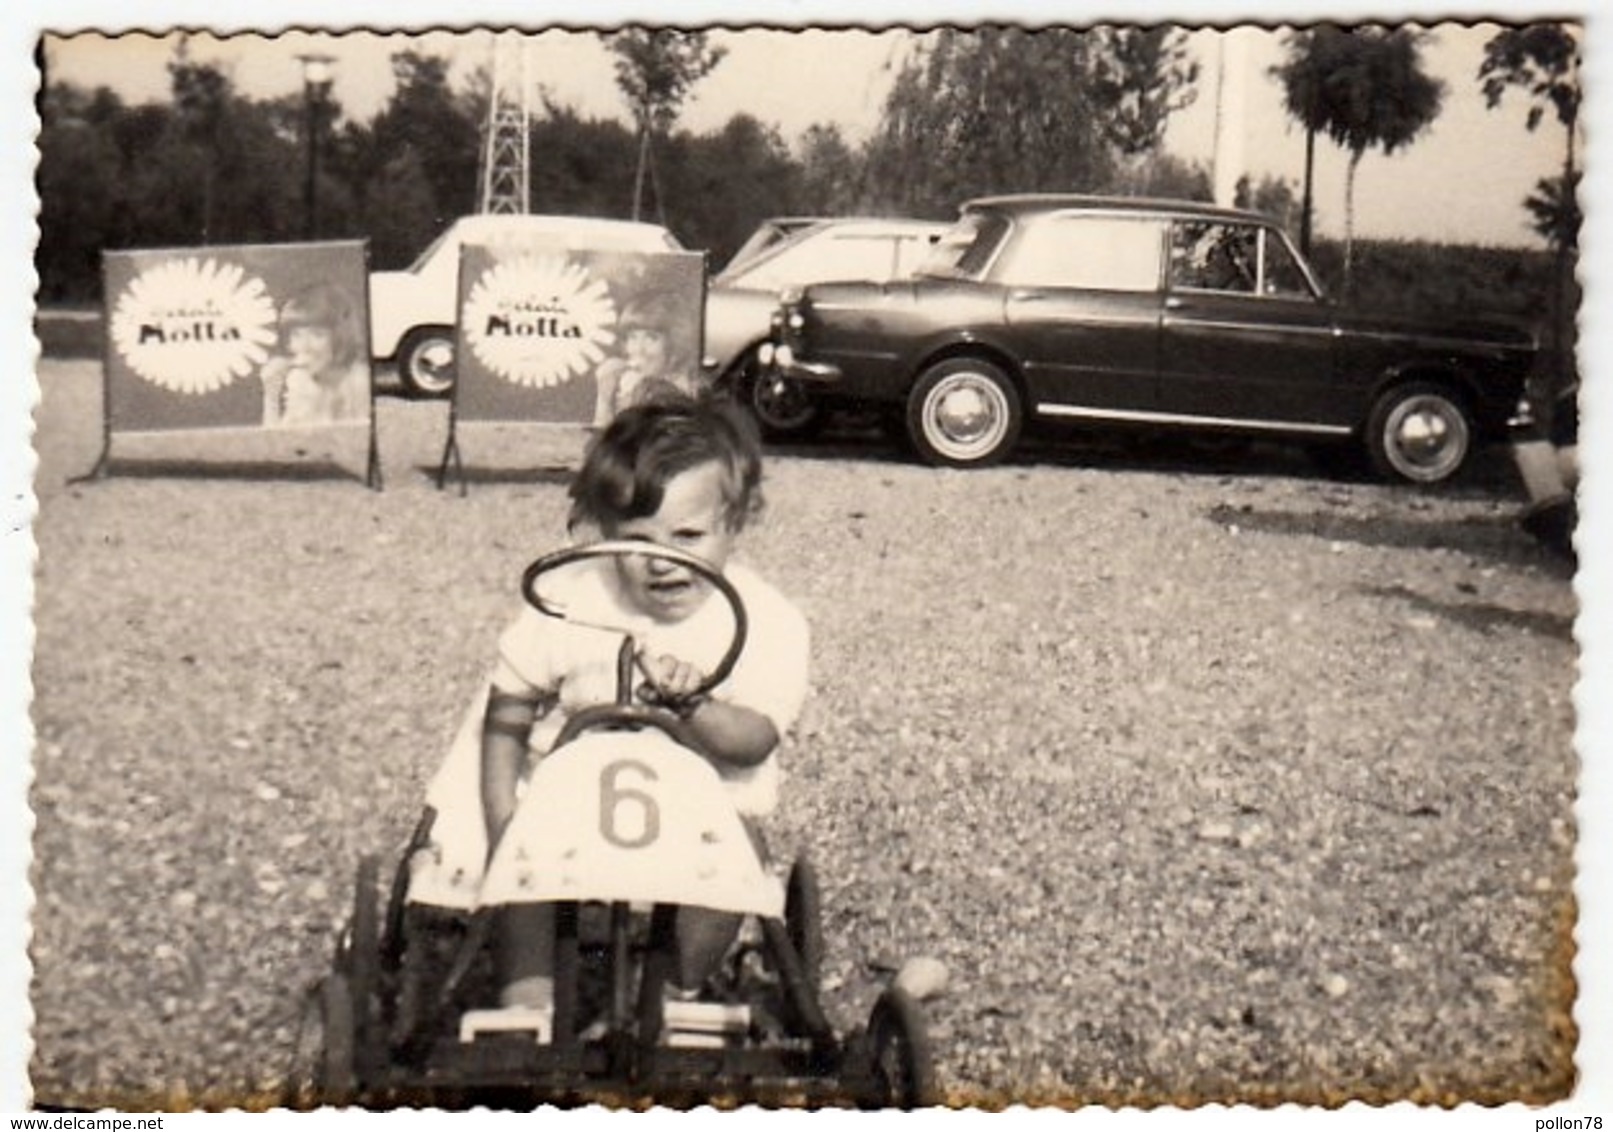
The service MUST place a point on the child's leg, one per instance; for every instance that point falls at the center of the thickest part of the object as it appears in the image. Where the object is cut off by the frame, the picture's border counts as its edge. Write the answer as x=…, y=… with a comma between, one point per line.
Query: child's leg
x=523, y=954
x=704, y=937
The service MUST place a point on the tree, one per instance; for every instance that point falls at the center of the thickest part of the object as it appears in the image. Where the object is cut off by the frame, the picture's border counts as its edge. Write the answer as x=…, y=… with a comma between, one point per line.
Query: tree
x=1555, y=207
x=586, y=163
x=1165, y=175
x=1141, y=76
x=426, y=127
x=831, y=172
x=725, y=183
x=80, y=203
x=991, y=109
x=201, y=93
x=1273, y=196
x=1365, y=88
x=1543, y=60
x=655, y=69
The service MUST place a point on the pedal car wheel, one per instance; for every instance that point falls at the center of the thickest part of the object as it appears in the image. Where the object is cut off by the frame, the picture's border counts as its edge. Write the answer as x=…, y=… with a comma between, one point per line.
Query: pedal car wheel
x=363, y=956
x=803, y=918
x=899, y=1051
x=338, y=1080
x=322, y=1067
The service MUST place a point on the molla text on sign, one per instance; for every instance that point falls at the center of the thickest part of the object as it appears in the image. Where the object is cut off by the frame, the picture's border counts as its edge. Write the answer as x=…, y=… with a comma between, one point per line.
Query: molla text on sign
x=193, y=325
x=539, y=320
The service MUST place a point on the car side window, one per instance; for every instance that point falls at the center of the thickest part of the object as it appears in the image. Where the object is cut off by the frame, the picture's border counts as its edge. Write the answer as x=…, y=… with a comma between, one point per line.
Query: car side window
x=1103, y=253
x=1208, y=255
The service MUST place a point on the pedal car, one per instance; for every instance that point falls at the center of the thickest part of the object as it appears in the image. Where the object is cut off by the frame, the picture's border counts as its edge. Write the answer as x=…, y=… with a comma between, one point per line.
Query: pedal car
x=622, y=822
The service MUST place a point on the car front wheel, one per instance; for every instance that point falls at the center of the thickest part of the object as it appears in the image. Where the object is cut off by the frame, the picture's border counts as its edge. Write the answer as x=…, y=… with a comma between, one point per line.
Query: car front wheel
x=964, y=413
x=426, y=361
x=1419, y=433
x=782, y=407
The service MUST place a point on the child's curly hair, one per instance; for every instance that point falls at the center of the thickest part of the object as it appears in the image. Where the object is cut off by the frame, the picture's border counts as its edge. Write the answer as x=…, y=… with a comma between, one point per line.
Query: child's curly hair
x=627, y=466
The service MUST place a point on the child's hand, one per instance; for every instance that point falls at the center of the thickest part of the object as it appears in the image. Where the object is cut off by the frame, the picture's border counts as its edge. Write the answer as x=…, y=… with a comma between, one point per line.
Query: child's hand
x=670, y=680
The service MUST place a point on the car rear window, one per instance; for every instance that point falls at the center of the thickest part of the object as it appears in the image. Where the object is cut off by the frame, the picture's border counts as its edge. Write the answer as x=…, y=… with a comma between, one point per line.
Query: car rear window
x=964, y=250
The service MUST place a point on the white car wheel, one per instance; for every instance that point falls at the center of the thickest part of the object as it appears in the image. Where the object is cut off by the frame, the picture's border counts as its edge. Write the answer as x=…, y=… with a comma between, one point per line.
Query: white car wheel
x=1420, y=434
x=964, y=412
x=426, y=361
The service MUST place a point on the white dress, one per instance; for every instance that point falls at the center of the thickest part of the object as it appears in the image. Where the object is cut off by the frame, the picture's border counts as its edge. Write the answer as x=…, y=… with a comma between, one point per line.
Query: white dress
x=577, y=663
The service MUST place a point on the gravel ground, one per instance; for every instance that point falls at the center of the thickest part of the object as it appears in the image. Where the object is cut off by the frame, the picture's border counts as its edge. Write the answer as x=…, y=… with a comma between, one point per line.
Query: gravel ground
x=1210, y=779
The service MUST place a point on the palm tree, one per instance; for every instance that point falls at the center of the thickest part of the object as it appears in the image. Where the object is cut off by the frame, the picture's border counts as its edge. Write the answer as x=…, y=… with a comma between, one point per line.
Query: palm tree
x=1365, y=88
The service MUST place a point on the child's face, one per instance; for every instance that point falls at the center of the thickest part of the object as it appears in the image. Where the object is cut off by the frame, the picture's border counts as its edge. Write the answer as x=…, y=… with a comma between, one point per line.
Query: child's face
x=646, y=350
x=312, y=348
x=690, y=518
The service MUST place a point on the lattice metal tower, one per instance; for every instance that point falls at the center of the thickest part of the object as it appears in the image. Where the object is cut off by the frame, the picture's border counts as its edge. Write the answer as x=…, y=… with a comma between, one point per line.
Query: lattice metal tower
x=506, y=144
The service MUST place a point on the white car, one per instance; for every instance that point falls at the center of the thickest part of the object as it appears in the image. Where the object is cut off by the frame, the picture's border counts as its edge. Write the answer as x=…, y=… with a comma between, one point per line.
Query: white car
x=412, y=312
x=792, y=252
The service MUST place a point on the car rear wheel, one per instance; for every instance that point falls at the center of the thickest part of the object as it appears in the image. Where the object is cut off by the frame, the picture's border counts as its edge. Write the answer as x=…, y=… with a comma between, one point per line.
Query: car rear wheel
x=1419, y=433
x=964, y=413
x=426, y=361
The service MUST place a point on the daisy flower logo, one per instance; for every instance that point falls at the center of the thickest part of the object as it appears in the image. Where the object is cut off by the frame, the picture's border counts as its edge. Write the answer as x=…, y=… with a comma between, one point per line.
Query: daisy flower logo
x=194, y=325
x=539, y=320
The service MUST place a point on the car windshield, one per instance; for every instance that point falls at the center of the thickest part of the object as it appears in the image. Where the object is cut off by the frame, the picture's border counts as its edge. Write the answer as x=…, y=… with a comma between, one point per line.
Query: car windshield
x=424, y=257
x=963, y=251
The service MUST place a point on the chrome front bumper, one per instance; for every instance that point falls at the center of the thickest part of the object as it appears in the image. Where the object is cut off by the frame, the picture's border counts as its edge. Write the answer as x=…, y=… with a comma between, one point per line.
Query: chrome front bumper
x=780, y=361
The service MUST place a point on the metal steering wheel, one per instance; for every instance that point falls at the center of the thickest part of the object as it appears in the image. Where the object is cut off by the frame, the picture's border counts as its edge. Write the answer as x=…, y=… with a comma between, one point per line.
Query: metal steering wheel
x=621, y=548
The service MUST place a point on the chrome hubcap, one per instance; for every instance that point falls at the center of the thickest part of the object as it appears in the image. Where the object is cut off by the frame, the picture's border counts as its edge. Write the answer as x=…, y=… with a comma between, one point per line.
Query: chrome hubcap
x=433, y=364
x=966, y=416
x=1426, y=438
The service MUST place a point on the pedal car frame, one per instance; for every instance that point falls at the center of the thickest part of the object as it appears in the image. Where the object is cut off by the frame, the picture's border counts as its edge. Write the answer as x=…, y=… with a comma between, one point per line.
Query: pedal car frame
x=404, y=976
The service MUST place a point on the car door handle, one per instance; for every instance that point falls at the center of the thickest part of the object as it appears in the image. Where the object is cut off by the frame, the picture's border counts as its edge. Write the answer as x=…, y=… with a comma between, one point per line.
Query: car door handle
x=1174, y=303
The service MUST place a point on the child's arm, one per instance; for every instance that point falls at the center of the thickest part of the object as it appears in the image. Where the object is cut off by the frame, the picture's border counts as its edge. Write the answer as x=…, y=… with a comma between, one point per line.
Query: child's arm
x=506, y=728
x=273, y=376
x=607, y=376
x=731, y=733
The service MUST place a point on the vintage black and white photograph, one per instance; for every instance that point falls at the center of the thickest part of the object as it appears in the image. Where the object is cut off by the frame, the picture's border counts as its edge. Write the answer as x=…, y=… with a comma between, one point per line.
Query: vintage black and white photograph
x=984, y=562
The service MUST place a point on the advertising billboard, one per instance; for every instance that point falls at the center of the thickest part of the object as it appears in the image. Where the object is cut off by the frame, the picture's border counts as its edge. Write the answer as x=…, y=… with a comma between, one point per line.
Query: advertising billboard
x=266, y=336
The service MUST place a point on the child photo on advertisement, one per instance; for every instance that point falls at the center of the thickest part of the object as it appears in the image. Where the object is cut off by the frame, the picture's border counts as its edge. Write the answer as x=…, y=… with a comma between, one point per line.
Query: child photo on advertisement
x=653, y=361
x=321, y=374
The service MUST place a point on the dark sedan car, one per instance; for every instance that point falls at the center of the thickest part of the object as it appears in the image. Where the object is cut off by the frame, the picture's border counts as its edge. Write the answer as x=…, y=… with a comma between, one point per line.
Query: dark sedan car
x=1143, y=313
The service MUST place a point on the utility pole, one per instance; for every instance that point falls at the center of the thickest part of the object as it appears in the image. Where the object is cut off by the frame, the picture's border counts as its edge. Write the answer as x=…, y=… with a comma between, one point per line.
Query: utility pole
x=316, y=80
x=1230, y=162
x=506, y=152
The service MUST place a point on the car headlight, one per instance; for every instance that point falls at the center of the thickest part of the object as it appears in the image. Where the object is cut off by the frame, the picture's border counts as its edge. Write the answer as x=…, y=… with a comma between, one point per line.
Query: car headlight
x=784, y=356
x=796, y=320
x=764, y=353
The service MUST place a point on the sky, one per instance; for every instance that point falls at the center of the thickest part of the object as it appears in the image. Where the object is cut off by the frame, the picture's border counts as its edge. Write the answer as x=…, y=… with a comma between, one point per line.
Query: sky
x=1477, y=164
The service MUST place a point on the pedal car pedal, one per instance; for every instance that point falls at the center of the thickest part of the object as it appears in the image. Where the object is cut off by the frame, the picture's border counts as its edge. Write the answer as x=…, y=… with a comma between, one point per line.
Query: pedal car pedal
x=510, y=1019
x=703, y=1025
